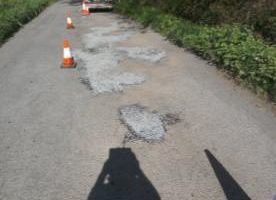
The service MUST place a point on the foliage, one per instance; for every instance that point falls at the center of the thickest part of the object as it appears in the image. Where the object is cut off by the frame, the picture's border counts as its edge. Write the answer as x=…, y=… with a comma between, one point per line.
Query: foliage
x=258, y=14
x=15, y=13
x=232, y=47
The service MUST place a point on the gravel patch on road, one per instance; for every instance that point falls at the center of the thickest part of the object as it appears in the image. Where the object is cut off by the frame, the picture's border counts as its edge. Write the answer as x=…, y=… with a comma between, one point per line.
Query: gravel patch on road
x=100, y=69
x=145, y=125
x=141, y=123
x=100, y=62
x=147, y=54
x=104, y=37
x=102, y=74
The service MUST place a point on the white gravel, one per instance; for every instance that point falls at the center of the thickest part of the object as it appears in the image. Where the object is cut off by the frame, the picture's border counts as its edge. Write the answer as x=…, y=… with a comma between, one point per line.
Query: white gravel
x=147, y=54
x=103, y=73
x=105, y=36
x=101, y=70
x=142, y=123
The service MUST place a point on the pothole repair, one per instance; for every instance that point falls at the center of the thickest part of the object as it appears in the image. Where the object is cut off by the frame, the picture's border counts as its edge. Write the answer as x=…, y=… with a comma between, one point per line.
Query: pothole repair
x=101, y=72
x=104, y=37
x=99, y=66
x=146, y=54
x=145, y=125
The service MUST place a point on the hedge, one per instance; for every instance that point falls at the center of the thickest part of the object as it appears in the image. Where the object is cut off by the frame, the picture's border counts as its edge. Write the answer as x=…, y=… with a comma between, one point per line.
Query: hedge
x=231, y=47
x=260, y=15
x=15, y=13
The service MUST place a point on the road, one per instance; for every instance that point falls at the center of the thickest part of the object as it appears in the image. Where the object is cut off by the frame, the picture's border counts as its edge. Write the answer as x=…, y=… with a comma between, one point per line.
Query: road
x=60, y=139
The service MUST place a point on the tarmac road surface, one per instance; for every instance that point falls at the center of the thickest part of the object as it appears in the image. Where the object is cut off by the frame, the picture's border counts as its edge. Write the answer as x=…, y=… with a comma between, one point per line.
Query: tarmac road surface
x=62, y=139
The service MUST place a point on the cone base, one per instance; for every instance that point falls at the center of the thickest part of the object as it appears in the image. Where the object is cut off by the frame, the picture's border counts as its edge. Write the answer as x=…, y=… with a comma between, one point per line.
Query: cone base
x=68, y=66
x=85, y=13
x=70, y=26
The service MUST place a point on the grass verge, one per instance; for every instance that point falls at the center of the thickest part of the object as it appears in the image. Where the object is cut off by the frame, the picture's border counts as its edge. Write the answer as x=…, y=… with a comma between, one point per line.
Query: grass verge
x=15, y=13
x=231, y=47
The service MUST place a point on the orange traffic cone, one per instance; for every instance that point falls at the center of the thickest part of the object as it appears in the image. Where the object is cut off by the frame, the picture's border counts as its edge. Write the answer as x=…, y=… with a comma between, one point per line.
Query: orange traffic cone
x=70, y=23
x=68, y=60
x=85, y=9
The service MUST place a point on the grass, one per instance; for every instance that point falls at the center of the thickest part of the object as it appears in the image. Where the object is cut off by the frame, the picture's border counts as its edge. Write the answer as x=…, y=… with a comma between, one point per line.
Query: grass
x=15, y=13
x=232, y=47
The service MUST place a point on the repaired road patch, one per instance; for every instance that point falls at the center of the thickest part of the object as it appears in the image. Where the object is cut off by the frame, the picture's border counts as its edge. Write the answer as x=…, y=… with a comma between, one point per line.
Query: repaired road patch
x=145, y=125
x=146, y=54
x=102, y=74
x=100, y=68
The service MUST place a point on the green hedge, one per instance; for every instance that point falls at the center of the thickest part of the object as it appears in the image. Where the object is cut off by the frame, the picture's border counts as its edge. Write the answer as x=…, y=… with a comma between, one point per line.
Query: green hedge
x=15, y=13
x=233, y=48
x=258, y=14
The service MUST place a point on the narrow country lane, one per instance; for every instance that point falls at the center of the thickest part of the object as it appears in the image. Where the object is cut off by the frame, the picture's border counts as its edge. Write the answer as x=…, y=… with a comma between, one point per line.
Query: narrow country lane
x=138, y=119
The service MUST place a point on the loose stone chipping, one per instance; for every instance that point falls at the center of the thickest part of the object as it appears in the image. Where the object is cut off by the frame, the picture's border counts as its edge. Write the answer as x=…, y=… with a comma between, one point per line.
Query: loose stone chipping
x=100, y=69
x=83, y=73
x=145, y=125
x=104, y=37
x=147, y=54
x=142, y=123
x=102, y=72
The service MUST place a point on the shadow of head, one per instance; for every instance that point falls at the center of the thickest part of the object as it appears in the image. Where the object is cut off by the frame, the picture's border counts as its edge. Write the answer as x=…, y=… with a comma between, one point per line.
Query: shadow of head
x=231, y=188
x=121, y=178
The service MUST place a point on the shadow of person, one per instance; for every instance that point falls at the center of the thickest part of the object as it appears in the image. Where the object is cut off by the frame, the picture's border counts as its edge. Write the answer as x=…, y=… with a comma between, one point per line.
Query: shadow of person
x=121, y=178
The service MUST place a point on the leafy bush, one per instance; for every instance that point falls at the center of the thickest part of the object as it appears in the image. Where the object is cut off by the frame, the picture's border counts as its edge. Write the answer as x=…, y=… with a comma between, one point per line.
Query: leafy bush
x=232, y=47
x=259, y=14
x=15, y=13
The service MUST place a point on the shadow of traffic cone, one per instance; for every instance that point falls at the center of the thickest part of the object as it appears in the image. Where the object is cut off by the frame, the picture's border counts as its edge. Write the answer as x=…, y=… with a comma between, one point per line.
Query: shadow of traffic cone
x=85, y=9
x=68, y=60
x=69, y=23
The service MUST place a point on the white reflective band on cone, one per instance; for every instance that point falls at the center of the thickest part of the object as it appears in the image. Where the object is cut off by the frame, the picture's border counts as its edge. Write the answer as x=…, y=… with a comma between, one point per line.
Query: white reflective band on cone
x=67, y=53
x=69, y=20
x=83, y=6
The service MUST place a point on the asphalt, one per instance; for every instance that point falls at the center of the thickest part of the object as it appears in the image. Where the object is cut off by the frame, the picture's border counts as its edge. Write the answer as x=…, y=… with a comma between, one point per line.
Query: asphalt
x=60, y=140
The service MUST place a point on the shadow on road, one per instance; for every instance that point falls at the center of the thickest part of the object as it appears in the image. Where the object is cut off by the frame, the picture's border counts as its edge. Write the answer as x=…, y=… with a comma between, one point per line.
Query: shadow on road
x=231, y=188
x=102, y=10
x=121, y=178
x=75, y=2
